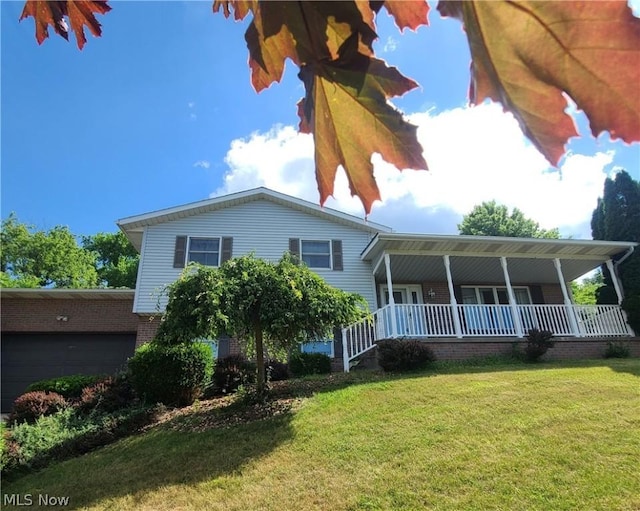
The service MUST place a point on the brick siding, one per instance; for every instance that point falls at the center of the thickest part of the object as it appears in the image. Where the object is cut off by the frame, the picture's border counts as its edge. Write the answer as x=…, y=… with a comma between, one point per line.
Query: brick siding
x=566, y=348
x=82, y=315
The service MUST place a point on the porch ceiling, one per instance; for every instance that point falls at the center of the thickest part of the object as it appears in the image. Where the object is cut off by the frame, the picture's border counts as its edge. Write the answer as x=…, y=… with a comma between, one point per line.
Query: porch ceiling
x=476, y=259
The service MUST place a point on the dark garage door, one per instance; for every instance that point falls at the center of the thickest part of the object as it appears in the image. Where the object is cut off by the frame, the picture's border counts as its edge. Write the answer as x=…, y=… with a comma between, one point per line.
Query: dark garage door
x=31, y=357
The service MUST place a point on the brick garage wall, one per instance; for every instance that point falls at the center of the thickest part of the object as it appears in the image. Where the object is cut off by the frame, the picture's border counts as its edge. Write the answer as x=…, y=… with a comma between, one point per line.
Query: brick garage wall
x=147, y=327
x=83, y=315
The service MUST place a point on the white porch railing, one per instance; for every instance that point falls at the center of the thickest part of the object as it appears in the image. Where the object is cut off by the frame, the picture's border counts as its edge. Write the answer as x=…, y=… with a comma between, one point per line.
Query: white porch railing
x=435, y=320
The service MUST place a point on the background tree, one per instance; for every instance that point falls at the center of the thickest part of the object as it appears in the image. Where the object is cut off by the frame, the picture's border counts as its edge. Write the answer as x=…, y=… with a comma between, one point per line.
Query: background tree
x=262, y=304
x=116, y=258
x=617, y=218
x=44, y=258
x=347, y=88
x=492, y=219
x=584, y=292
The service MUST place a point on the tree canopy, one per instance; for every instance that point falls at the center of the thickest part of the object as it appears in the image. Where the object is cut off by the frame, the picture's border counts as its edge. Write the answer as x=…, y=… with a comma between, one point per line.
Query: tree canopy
x=586, y=51
x=116, y=258
x=492, y=219
x=44, y=258
x=264, y=305
x=617, y=218
x=53, y=258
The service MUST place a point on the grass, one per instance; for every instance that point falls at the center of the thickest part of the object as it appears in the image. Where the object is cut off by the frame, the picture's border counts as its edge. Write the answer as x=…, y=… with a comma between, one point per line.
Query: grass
x=559, y=436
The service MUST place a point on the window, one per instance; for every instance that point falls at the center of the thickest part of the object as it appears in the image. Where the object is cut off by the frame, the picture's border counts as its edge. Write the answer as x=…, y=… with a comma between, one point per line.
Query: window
x=494, y=295
x=321, y=346
x=316, y=254
x=205, y=251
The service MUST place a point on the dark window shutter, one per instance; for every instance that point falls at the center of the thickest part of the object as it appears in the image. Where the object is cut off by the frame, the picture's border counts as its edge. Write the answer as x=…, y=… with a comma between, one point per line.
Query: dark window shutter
x=294, y=247
x=227, y=249
x=457, y=291
x=536, y=294
x=180, y=253
x=336, y=250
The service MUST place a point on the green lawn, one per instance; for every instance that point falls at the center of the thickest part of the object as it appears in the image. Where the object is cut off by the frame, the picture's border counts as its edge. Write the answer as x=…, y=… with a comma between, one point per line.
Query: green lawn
x=552, y=436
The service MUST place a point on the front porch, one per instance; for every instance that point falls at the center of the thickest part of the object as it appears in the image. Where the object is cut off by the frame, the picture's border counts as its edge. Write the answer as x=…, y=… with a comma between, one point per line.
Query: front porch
x=431, y=322
x=432, y=287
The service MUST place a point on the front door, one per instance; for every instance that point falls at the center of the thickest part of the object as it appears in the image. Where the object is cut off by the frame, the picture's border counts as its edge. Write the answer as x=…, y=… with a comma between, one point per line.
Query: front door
x=410, y=320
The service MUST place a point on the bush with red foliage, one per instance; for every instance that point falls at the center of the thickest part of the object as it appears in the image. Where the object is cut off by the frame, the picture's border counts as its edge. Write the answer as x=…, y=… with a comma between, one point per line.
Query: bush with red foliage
x=28, y=407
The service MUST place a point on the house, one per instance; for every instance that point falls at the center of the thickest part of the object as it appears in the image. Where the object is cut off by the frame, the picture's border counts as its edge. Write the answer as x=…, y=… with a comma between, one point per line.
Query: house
x=467, y=295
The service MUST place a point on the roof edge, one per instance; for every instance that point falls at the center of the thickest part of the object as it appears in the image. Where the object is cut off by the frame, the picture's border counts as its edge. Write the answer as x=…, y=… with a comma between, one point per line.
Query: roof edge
x=254, y=193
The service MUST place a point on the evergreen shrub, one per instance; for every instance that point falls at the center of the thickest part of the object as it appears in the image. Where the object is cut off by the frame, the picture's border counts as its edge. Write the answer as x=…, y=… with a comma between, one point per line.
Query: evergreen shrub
x=174, y=375
x=67, y=386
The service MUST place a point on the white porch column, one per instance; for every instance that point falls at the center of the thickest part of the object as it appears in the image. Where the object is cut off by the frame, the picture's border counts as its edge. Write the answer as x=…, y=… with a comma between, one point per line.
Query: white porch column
x=614, y=278
x=392, y=302
x=452, y=297
x=567, y=301
x=512, y=298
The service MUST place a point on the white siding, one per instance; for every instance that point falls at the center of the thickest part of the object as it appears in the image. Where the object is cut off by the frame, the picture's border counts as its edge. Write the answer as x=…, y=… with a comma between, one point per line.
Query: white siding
x=262, y=227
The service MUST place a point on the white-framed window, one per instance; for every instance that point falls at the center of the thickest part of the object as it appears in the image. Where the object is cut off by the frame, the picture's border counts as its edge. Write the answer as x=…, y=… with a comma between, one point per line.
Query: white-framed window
x=316, y=253
x=489, y=295
x=205, y=251
x=320, y=346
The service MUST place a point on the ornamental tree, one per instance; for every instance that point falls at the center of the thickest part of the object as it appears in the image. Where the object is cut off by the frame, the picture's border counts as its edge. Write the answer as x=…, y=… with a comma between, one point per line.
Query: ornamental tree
x=530, y=56
x=264, y=305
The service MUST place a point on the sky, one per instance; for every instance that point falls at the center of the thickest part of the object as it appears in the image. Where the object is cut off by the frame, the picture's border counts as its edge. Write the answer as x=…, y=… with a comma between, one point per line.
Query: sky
x=160, y=112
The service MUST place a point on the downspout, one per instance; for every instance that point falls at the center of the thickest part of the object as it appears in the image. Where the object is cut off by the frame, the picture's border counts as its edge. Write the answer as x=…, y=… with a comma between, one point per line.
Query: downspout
x=614, y=277
x=615, y=266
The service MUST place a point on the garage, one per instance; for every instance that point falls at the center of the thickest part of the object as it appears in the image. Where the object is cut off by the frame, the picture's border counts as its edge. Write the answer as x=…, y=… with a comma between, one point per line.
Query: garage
x=59, y=332
x=31, y=357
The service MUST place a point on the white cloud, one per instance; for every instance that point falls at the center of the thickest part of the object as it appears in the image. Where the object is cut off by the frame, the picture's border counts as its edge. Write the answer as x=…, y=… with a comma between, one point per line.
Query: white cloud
x=474, y=154
x=390, y=45
x=203, y=164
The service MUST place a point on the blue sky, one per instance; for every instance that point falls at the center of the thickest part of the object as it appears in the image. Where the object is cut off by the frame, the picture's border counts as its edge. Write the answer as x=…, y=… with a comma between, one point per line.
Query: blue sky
x=160, y=111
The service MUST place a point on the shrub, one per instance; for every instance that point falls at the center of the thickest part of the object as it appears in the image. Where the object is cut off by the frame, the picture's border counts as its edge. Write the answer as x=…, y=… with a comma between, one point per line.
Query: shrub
x=231, y=372
x=617, y=349
x=67, y=386
x=277, y=371
x=538, y=342
x=64, y=435
x=174, y=375
x=28, y=407
x=109, y=395
x=303, y=364
x=397, y=355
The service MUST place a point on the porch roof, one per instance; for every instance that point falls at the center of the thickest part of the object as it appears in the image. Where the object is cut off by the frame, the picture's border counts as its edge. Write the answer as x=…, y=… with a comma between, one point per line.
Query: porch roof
x=475, y=259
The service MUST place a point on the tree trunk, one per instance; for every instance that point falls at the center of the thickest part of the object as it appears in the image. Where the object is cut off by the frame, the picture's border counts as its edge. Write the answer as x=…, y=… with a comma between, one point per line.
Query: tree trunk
x=261, y=376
